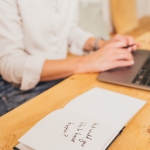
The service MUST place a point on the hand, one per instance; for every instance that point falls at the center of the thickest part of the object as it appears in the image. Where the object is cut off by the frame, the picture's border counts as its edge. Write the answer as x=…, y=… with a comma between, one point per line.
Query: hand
x=128, y=41
x=110, y=56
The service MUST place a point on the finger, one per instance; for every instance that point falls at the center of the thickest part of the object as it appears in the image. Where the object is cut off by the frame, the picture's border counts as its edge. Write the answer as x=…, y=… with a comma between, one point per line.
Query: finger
x=131, y=47
x=130, y=40
x=118, y=37
x=123, y=55
x=123, y=63
x=119, y=44
x=134, y=47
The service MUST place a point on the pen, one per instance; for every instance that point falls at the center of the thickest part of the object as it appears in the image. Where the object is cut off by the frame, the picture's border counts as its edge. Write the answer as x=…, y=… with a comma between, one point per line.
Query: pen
x=128, y=46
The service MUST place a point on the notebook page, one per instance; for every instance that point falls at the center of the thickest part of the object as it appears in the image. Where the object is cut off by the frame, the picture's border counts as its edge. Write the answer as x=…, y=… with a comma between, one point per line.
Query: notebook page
x=109, y=107
x=69, y=131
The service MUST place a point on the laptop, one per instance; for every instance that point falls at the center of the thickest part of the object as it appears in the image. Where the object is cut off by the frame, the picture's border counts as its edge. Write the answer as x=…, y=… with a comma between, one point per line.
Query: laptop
x=137, y=76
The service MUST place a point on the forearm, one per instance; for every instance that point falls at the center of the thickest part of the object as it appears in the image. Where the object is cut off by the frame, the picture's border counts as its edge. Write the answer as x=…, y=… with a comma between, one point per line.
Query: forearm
x=56, y=69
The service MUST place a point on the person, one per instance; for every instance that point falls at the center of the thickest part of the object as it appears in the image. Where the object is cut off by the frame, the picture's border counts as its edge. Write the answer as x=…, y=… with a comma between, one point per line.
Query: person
x=34, y=39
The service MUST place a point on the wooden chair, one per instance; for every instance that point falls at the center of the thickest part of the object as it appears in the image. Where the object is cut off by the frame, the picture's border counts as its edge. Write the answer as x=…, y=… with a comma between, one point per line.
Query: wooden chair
x=124, y=15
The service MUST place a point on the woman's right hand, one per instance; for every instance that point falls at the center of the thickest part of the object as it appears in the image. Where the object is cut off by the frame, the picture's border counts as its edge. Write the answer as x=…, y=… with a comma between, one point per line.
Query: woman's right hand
x=110, y=56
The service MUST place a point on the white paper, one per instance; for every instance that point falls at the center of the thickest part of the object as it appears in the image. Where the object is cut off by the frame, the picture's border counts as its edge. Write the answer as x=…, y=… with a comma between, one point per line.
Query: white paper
x=109, y=107
x=21, y=146
x=68, y=131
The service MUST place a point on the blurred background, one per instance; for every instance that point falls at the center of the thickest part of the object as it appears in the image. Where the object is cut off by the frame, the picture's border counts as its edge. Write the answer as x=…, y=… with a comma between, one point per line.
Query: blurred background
x=104, y=18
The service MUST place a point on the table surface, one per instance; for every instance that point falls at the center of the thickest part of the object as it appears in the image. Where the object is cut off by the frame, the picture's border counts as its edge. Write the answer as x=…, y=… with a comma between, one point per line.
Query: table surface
x=136, y=136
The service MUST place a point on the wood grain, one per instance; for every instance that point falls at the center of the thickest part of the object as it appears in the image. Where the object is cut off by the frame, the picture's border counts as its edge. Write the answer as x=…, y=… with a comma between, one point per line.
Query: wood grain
x=136, y=136
x=144, y=41
x=144, y=26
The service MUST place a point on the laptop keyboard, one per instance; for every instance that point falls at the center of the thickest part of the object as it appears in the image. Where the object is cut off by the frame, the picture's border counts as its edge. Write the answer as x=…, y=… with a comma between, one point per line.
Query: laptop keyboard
x=143, y=76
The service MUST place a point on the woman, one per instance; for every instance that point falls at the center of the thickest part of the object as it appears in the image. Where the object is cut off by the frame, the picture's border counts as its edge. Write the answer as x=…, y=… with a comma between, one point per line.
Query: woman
x=34, y=39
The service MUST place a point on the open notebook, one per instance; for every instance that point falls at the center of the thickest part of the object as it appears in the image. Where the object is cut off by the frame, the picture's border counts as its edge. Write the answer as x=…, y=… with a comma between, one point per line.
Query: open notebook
x=90, y=121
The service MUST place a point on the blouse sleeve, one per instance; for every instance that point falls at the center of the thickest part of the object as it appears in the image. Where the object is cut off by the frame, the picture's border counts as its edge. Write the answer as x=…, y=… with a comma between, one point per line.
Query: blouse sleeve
x=16, y=65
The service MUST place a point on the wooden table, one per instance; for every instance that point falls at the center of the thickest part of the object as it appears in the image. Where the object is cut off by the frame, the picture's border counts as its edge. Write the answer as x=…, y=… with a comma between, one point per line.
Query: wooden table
x=136, y=136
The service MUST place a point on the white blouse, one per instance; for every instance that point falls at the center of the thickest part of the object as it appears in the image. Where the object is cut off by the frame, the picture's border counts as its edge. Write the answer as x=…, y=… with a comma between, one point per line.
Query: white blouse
x=32, y=31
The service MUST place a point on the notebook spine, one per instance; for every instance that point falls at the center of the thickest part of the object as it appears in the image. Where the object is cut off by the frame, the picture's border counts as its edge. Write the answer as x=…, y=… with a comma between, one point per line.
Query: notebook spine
x=15, y=148
x=116, y=137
